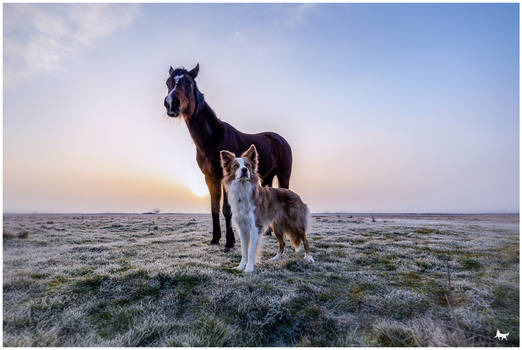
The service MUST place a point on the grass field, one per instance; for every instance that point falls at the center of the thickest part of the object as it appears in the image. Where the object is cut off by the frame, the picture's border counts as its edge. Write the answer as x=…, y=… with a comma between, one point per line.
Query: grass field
x=153, y=280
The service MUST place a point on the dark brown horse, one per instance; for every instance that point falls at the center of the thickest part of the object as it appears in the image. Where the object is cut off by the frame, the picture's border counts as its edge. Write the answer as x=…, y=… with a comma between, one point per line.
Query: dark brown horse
x=211, y=135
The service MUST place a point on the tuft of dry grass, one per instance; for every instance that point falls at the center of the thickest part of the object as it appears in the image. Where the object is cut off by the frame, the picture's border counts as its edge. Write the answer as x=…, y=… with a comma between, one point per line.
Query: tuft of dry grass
x=7, y=234
x=122, y=280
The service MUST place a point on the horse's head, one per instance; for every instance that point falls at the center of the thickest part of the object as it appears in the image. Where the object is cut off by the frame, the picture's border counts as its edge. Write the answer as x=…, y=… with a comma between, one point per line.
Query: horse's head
x=182, y=92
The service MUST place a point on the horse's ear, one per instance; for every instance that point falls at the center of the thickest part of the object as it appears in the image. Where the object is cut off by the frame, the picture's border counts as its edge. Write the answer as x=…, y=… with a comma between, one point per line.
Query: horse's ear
x=171, y=70
x=194, y=72
x=226, y=158
x=251, y=154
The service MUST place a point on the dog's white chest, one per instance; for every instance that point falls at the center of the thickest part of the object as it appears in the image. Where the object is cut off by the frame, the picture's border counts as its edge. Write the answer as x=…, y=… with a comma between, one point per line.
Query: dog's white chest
x=240, y=200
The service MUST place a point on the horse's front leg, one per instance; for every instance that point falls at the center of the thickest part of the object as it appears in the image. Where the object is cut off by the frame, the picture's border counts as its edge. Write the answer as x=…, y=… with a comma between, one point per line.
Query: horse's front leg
x=214, y=188
x=227, y=213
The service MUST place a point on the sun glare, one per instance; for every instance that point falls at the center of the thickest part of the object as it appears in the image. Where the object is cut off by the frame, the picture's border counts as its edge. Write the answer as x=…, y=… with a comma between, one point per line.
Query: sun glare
x=198, y=187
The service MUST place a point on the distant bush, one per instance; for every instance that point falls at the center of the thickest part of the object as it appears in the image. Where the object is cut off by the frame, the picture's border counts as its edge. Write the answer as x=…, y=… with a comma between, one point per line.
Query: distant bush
x=9, y=235
x=426, y=231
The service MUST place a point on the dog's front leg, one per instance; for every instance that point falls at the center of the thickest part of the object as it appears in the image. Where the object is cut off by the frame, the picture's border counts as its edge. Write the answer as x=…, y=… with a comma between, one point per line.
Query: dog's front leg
x=244, y=249
x=254, y=235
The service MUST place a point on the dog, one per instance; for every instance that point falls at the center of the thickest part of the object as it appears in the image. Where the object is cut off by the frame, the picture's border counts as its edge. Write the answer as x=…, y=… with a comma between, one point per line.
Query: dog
x=254, y=208
x=501, y=336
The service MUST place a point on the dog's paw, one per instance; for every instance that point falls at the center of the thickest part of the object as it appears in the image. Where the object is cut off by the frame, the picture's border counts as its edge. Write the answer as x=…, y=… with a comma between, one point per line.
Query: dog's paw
x=308, y=258
x=278, y=257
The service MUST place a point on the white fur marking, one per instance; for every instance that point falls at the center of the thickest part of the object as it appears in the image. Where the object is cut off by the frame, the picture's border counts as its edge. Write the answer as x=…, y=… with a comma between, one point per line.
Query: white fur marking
x=239, y=195
x=169, y=96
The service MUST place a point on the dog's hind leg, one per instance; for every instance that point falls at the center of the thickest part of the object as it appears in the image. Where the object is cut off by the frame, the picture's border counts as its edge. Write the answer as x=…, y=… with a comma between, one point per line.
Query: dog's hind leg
x=307, y=256
x=281, y=239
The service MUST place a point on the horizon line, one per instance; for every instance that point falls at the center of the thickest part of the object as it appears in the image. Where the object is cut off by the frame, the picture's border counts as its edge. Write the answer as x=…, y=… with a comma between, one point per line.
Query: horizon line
x=313, y=213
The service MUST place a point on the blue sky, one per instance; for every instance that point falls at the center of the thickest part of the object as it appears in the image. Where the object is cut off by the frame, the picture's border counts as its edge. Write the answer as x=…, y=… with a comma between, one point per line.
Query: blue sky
x=388, y=107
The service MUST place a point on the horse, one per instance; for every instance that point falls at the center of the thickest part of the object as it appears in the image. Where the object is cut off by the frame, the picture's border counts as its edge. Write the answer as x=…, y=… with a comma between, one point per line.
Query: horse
x=212, y=135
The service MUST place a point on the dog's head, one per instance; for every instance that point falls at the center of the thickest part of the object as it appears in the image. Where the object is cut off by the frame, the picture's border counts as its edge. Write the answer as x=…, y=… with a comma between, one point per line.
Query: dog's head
x=243, y=168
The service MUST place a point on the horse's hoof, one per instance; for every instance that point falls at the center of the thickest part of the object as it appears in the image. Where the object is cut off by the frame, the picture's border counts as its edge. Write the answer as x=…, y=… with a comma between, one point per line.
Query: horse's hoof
x=212, y=242
x=227, y=249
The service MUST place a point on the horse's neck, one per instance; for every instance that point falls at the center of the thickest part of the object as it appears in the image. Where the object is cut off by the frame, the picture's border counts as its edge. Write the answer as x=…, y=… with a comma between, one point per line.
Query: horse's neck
x=205, y=128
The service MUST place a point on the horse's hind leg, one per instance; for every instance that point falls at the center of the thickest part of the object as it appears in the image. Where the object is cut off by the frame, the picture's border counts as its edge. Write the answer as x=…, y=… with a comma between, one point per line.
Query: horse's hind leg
x=267, y=181
x=283, y=176
x=227, y=213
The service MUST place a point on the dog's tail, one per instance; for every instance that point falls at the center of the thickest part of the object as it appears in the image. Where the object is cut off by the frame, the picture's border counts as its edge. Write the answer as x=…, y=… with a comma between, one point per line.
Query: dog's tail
x=295, y=240
x=307, y=219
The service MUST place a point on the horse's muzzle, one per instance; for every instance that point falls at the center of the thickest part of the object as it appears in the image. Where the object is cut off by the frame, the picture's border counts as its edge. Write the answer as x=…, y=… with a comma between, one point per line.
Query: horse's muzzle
x=172, y=106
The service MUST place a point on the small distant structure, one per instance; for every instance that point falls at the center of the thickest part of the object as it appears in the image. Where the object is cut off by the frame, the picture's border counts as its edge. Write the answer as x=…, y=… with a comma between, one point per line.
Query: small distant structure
x=154, y=211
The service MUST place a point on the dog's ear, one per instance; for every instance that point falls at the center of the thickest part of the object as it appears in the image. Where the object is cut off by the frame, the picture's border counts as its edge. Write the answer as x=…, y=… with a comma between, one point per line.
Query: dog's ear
x=251, y=155
x=171, y=70
x=226, y=158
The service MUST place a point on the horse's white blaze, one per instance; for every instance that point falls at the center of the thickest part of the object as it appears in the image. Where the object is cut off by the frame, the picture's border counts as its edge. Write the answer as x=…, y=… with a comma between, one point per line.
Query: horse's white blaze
x=169, y=96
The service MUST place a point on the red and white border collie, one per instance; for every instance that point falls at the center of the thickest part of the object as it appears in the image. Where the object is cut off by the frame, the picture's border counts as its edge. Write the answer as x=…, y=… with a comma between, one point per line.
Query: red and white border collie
x=254, y=208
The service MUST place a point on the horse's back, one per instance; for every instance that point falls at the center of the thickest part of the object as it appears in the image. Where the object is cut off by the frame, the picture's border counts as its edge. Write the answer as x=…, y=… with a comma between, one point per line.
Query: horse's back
x=275, y=138
x=274, y=151
x=282, y=148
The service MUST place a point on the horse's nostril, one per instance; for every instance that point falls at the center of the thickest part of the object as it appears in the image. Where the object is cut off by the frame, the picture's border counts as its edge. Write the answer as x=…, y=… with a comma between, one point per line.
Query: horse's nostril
x=175, y=103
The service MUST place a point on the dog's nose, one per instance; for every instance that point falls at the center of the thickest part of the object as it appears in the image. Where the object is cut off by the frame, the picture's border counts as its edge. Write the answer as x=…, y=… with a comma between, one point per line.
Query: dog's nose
x=244, y=171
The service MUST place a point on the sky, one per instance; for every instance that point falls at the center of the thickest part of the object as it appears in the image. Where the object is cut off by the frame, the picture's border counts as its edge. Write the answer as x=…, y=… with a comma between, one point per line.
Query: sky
x=387, y=107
